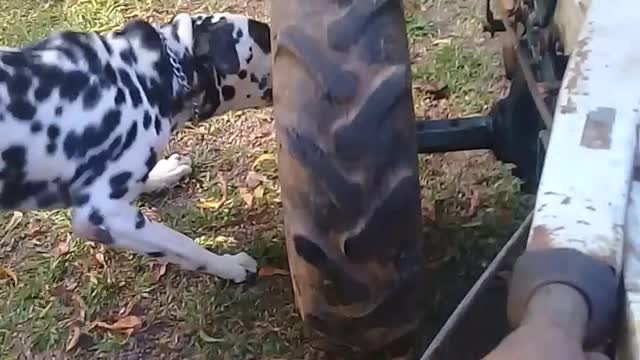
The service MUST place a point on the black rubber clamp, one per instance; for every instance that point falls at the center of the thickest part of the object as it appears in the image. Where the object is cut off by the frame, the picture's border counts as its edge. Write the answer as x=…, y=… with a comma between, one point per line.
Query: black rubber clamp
x=592, y=277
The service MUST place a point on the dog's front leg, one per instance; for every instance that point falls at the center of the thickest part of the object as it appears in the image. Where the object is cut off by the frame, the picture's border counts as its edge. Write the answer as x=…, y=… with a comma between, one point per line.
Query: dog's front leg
x=118, y=224
x=167, y=172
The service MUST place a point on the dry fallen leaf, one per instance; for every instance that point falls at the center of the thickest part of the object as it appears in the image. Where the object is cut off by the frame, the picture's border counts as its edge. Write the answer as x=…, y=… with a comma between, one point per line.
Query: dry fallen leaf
x=266, y=271
x=254, y=179
x=210, y=204
x=15, y=220
x=246, y=197
x=208, y=339
x=126, y=323
x=446, y=41
x=6, y=272
x=161, y=270
x=100, y=257
x=81, y=306
x=262, y=158
x=74, y=336
x=258, y=192
x=63, y=247
x=474, y=203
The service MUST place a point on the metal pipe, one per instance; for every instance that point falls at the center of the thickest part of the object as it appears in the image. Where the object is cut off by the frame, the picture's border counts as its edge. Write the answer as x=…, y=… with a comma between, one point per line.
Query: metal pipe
x=463, y=307
x=437, y=136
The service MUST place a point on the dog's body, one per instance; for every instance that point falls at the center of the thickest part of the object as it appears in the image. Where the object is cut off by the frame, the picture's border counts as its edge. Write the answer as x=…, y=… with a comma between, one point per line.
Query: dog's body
x=84, y=117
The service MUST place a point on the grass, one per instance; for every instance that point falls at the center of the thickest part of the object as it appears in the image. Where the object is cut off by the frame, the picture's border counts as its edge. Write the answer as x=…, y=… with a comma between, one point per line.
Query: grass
x=57, y=292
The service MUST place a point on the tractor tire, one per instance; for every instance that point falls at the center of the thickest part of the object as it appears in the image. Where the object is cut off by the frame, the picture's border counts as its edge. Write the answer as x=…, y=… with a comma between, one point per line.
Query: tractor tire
x=347, y=160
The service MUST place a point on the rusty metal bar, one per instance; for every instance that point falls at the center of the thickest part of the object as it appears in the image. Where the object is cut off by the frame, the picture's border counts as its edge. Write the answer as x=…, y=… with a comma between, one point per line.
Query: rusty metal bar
x=461, y=310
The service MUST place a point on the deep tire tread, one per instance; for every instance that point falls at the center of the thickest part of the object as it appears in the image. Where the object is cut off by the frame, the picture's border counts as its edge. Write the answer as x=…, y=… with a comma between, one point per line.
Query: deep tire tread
x=348, y=167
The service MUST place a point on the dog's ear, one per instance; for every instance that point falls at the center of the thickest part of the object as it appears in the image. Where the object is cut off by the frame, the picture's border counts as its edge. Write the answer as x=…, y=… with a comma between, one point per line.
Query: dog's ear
x=218, y=38
x=182, y=30
x=215, y=45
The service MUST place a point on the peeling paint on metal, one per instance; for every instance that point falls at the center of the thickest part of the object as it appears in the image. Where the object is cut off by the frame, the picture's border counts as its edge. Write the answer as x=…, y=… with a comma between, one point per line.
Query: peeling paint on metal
x=597, y=128
x=541, y=238
x=577, y=72
x=569, y=107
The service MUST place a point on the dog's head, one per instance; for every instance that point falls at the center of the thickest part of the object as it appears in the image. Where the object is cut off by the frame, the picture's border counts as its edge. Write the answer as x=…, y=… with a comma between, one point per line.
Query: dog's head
x=230, y=56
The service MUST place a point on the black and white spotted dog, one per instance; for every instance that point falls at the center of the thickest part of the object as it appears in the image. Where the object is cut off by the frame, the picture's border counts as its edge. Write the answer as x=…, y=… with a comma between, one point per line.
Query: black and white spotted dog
x=84, y=118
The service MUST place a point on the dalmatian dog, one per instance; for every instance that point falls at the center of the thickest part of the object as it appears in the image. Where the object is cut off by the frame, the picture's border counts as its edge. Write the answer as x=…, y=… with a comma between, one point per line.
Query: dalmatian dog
x=85, y=116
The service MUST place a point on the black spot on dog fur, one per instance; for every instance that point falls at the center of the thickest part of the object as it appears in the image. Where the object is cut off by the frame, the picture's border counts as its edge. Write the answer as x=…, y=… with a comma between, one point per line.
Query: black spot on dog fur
x=158, y=125
x=18, y=85
x=134, y=92
x=267, y=95
x=58, y=110
x=110, y=74
x=53, y=132
x=96, y=165
x=151, y=161
x=142, y=30
x=129, y=139
x=140, y=220
x=96, y=218
x=146, y=121
x=228, y=92
x=4, y=75
x=106, y=45
x=16, y=188
x=74, y=83
x=91, y=97
x=15, y=59
x=128, y=56
x=48, y=199
x=36, y=127
x=156, y=254
x=77, y=145
x=21, y=109
x=118, y=184
x=242, y=74
x=261, y=34
x=80, y=199
x=82, y=42
x=120, y=98
x=49, y=78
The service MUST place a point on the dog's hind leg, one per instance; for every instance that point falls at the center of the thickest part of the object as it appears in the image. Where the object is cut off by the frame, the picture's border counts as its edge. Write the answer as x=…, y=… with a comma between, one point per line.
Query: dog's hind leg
x=118, y=224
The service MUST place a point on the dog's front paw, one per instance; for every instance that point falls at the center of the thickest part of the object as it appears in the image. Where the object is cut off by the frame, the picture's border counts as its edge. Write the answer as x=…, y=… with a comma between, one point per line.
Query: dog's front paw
x=168, y=172
x=240, y=267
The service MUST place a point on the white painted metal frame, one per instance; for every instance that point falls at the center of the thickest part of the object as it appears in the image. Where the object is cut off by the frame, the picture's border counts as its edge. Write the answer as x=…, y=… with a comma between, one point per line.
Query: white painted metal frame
x=587, y=181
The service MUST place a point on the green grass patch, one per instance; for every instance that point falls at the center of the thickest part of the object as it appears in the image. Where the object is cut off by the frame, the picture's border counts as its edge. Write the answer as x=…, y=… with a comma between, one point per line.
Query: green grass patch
x=470, y=75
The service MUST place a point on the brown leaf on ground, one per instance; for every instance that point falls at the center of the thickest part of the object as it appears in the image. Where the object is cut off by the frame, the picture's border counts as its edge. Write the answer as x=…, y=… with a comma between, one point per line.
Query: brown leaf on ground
x=125, y=311
x=261, y=158
x=74, y=336
x=5, y=272
x=474, y=202
x=211, y=204
x=63, y=247
x=159, y=272
x=100, y=257
x=267, y=271
x=246, y=196
x=80, y=306
x=126, y=323
x=436, y=90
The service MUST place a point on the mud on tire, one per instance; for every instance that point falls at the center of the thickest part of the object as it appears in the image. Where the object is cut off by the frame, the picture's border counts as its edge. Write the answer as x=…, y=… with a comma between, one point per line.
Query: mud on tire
x=348, y=167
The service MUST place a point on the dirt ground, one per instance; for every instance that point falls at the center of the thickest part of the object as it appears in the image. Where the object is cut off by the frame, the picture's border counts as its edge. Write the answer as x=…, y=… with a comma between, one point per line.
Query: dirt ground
x=63, y=296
